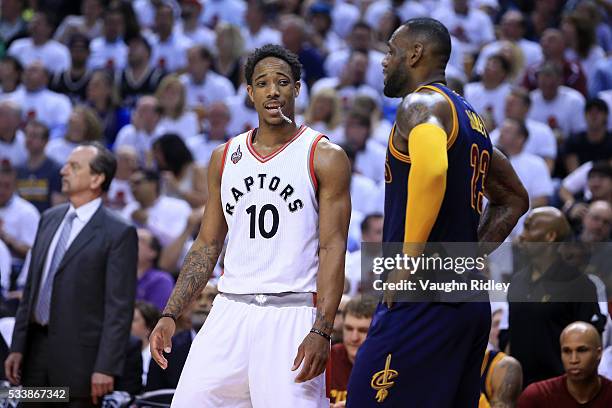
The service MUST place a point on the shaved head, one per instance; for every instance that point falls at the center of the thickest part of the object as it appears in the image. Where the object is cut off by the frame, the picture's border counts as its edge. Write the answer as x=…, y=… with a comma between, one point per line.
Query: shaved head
x=554, y=221
x=586, y=332
x=432, y=33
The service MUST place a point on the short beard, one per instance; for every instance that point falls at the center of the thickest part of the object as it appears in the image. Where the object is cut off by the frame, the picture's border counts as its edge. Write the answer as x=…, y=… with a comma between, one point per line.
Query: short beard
x=396, y=84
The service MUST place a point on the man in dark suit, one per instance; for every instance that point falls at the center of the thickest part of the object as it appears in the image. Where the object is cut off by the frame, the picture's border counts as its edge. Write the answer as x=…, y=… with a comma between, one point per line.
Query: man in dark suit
x=74, y=319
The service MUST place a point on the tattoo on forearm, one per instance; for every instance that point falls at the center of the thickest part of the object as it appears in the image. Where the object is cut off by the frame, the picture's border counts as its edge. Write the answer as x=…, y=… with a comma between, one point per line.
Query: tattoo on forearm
x=496, y=224
x=510, y=388
x=197, y=269
x=321, y=322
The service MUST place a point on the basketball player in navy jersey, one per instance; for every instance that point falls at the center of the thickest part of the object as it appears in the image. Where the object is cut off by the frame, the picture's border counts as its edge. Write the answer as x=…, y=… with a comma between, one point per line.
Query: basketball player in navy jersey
x=281, y=195
x=440, y=164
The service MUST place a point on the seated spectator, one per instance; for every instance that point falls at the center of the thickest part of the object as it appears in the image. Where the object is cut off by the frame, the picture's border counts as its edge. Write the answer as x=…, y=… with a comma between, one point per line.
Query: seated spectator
x=119, y=193
x=168, y=43
x=172, y=255
x=555, y=104
x=204, y=86
x=145, y=318
x=166, y=217
x=377, y=10
x=83, y=126
x=294, y=38
x=580, y=385
x=39, y=180
x=12, y=24
x=488, y=96
x=171, y=95
x=371, y=232
x=138, y=78
x=142, y=132
x=599, y=183
x=230, y=48
x=18, y=218
x=203, y=306
x=547, y=294
x=256, y=32
x=324, y=38
x=73, y=81
x=103, y=98
x=10, y=75
x=381, y=127
x=357, y=316
x=189, y=25
x=370, y=156
x=215, y=133
x=12, y=139
x=38, y=102
x=389, y=22
x=244, y=115
x=344, y=18
x=109, y=50
x=181, y=176
x=467, y=23
x=154, y=286
x=553, y=48
x=40, y=47
x=602, y=78
x=88, y=23
x=324, y=113
x=596, y=223
x=593, y=144
x=541, y=140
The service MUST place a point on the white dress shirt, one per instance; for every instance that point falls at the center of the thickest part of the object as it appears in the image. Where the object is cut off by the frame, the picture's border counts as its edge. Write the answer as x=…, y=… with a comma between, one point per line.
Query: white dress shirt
x=566, y=109
x=83, y=215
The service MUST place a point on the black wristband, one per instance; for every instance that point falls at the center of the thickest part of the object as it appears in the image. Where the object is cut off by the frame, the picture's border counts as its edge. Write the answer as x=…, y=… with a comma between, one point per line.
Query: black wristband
x=170, y=315
x=322, y=334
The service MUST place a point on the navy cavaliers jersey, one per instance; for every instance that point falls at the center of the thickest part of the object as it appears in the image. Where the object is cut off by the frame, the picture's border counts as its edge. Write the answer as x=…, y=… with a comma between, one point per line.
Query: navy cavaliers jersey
x=469, y=154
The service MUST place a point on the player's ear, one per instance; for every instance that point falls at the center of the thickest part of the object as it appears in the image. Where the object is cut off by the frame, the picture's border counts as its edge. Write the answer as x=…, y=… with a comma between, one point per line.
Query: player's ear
x=415, y=53
x=250, y=92
x=296, y=89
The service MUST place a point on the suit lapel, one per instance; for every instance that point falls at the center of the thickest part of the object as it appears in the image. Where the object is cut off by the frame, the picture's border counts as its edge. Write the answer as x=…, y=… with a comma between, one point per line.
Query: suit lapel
x=85, y=235
x=40, y=257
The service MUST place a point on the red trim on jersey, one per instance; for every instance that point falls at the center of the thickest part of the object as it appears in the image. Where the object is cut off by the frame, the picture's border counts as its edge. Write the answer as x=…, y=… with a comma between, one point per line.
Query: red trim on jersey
x=314, y=299
x=264, y=159
x=311, y=169
x=227, y=144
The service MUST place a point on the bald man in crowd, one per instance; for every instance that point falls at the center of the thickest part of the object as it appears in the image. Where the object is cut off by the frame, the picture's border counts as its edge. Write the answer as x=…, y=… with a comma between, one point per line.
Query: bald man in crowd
x=580, y=386
x=547, y=294
x=597, y=222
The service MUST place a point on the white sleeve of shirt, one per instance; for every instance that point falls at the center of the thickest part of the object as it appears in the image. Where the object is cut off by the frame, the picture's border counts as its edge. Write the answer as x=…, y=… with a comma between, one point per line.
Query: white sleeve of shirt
x=576, y=181
x=541, y=183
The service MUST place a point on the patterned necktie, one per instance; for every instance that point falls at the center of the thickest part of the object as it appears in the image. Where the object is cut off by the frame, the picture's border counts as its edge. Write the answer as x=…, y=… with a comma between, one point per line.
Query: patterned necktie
x=41, y=313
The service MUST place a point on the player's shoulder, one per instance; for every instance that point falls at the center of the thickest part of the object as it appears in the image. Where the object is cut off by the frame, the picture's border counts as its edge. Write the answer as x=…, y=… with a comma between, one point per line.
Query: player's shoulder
x=424, y=106
x=330, y=161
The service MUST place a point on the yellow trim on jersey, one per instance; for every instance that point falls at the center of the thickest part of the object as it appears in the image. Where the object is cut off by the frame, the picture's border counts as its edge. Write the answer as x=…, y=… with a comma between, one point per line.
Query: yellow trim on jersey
x=396, y=153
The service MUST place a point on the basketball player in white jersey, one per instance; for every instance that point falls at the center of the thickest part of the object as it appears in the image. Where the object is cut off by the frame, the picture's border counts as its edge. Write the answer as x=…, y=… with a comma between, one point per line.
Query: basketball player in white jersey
x=281, y=194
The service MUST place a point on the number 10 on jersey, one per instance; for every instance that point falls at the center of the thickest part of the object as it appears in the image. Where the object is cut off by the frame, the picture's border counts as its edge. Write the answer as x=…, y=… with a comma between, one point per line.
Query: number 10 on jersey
x=259, y=220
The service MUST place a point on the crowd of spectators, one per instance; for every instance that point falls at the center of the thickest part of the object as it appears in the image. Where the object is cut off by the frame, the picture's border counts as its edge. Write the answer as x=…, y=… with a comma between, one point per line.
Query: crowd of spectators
x=161, y=83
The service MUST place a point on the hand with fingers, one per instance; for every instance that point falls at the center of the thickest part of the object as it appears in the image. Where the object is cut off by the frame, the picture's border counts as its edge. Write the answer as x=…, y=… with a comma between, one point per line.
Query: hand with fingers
x=101, y=384
x=312, y=355
x=12, y=367
x=161, y=340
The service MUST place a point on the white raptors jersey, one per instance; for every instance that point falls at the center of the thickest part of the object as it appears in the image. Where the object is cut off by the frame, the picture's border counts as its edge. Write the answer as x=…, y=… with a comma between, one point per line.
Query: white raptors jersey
x=271, y=210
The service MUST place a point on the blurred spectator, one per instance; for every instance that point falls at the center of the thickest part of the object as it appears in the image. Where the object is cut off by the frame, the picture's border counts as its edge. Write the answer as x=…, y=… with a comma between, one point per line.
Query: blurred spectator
x=164, y=216
x=593, y=144
x=555, y=104
x=599, y=184
x=323, y=37
x=488, y=96
x=512, y=28
x=339, y=320
x=543, y=14
x=215, y=133
x=381, y=127
x=145, y=318
x=204, y=86
x=83, y=126
x=181, y=176
x=371, y=232
x=189, y=25
x=325, y=114
x=10, y=75
x=119, y=193
x=109, y=51
x=103, y=97
x=172, y=255
x=38, y=102
x=18, y=218
x=546, y=295
x=244, y=115
x=230, y=47
x=344, y=17
x=389, y=22
x=357, y=316
x=602, y=78
x=169, y=45
x=12, y=24
x=172, y=98
x=597, y=223
x=256, y=32
x=595, y=13
x=370, y=156
x=541, y=140
x=73, y=82
x=580, y=385
x=468, y=24
x=223, y=11
x=40, y=47
x=138, y=78
x=579, y=33
x=553, y=49
x=405, y=10
x=154, y=286
x=294, y=38
x=203, y=306
x=89, y=23
x=360, y=40
x=12, y=140
x=39, y=180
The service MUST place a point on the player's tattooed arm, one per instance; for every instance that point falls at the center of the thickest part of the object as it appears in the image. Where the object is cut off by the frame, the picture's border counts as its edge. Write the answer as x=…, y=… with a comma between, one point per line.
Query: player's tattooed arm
x=507, y=383
x=204, y=253
x=508, y=201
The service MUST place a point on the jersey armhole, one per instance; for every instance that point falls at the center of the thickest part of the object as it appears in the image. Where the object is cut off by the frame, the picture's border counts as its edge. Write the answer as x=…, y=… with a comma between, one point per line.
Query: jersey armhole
x=311, y=152
x=227, y=145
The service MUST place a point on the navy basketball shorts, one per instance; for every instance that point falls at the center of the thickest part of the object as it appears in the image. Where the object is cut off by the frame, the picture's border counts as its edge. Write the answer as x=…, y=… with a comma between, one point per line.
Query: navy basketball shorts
x=421, y=355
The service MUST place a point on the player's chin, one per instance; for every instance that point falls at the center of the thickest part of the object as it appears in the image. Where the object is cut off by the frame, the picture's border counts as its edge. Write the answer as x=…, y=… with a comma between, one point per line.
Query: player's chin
x=273, y=120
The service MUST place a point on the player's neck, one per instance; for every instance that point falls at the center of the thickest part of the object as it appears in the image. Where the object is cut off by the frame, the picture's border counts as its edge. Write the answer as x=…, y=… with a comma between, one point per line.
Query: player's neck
x=584, y=391
x=430, y=79
x=273, y=135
